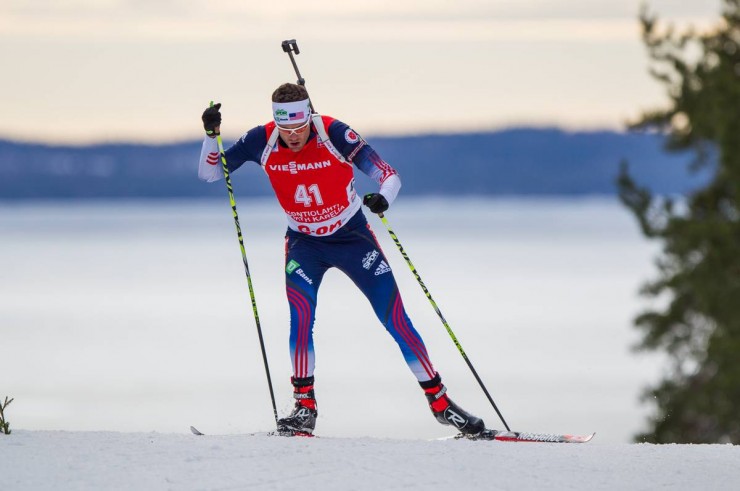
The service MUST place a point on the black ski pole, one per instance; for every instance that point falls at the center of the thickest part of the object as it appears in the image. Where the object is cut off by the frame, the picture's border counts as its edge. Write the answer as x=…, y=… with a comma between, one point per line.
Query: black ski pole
x=232, y=201
x=442, y=318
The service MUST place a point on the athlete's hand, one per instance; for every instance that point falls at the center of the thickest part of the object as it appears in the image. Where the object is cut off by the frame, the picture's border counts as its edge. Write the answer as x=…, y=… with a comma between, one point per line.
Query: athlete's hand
x=376, y=202
x=212, y=120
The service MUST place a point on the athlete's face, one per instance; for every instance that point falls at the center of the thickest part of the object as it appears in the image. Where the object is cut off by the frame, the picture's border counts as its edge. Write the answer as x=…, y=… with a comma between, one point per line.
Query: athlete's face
x=295, y=135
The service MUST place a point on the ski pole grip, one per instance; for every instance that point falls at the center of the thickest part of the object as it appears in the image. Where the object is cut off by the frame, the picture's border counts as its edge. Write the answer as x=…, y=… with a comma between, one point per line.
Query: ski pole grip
x=291, y=45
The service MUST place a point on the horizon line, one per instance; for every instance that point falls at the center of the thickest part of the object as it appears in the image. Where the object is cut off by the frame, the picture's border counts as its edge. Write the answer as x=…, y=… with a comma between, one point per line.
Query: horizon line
x=55, y=142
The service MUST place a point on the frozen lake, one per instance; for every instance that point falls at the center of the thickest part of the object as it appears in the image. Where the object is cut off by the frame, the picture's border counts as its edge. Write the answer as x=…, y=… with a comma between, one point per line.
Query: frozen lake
x=135, y=316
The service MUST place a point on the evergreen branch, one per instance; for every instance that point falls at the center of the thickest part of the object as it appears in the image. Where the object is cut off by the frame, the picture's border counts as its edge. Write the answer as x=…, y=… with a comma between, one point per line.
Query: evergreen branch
x=4, y=424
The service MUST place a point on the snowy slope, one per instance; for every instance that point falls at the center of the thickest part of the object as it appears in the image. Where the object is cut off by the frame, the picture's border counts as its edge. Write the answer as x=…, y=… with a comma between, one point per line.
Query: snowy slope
x=39, y=460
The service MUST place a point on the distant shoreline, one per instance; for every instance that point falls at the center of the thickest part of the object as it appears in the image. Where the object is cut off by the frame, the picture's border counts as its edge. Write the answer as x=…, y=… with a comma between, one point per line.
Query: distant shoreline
x=511, y=162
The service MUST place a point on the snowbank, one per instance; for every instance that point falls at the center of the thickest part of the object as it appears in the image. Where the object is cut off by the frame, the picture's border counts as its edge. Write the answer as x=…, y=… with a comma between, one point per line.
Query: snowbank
x=39, y=460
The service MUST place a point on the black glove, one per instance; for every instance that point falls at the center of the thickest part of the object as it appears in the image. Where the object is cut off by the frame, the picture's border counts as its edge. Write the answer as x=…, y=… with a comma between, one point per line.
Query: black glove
x=212, y=120
x=376, y=202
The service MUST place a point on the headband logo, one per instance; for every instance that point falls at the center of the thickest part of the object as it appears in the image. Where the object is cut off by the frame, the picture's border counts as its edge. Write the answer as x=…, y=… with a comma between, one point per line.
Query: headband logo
x=291, y=112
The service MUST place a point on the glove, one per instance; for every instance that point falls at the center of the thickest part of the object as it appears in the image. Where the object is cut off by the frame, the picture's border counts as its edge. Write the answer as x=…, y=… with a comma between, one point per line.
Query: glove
x=212, y=120
x=376, y=202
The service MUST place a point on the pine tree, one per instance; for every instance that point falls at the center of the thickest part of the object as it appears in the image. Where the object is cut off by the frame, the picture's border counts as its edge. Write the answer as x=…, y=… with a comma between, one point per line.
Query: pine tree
x=698, y=283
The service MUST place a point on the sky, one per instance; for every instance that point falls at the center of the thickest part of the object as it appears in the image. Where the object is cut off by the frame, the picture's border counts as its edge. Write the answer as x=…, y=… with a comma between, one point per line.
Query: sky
x=82, y=71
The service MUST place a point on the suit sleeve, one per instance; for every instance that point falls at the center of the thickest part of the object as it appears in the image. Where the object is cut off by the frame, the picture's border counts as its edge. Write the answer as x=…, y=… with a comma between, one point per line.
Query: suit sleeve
x=247, y=149
x=355, y=149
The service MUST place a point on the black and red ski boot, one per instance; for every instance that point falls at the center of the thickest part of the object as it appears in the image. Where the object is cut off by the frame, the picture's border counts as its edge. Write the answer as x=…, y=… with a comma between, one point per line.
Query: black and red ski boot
x=302, y=420
x=446, y=411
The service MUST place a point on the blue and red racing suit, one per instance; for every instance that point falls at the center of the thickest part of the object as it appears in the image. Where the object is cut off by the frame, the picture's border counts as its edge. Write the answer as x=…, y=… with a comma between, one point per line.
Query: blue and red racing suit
x=326, y=227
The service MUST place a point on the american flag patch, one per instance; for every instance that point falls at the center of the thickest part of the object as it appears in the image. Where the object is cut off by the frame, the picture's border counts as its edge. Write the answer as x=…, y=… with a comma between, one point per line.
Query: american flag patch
x=294, y=116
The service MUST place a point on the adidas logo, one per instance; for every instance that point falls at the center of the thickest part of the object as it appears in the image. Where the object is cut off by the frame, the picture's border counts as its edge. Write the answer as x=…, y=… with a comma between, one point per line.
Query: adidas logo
x=382, y=268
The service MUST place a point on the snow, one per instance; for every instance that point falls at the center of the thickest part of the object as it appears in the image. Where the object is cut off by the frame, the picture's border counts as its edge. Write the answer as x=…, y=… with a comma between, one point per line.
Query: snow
x=119, y=336
x=40, y=460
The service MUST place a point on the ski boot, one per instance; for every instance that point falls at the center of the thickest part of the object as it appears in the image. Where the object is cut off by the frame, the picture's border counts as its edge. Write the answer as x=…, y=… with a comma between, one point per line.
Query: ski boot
x=302, y=420
x=447, y=412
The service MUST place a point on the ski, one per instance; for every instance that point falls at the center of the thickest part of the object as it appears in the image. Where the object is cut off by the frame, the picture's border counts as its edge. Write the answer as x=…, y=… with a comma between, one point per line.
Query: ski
x=287, y=433
x=520, y=436
x=292, y=433
x=490, y=435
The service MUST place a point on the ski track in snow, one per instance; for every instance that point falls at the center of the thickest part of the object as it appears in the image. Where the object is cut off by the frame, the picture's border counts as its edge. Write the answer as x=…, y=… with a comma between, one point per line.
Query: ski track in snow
x=46, y=460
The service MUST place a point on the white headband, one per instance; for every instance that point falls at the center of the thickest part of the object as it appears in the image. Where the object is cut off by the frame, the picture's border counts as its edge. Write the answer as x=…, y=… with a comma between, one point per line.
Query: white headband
x=291, y=112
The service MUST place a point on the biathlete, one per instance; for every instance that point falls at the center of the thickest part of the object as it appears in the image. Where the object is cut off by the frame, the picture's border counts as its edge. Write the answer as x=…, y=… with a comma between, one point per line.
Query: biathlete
x=309, y=160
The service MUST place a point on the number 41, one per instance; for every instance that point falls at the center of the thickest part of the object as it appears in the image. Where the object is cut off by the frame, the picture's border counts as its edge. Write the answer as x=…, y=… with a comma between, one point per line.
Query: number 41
x=303, y=195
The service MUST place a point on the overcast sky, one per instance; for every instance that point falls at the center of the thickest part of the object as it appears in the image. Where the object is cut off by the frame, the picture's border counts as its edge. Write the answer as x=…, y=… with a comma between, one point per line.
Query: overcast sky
x=143, y=70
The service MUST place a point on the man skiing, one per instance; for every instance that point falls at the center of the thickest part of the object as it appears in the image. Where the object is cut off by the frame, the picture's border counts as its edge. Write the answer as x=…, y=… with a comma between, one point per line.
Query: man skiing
x=309, y=161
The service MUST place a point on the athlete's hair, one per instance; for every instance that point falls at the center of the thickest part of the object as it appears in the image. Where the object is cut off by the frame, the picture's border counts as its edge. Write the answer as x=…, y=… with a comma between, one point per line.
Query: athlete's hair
x=290, y=93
